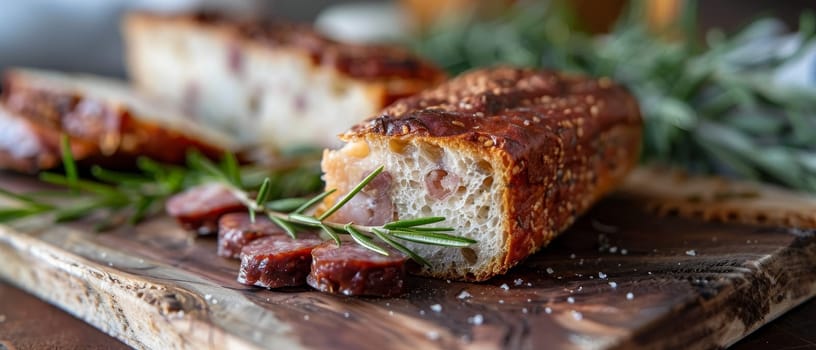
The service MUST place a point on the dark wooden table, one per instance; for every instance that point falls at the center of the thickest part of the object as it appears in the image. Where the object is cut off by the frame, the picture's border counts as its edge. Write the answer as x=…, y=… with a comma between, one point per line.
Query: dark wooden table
x=28, y=323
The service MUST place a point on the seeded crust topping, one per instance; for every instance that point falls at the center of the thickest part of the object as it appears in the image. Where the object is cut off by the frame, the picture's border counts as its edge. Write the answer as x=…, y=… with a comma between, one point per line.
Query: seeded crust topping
x=366, y=62
x=509, y=108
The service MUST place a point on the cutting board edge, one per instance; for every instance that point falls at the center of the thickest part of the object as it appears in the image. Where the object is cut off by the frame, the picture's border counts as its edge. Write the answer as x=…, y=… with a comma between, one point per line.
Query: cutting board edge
x=95, y=294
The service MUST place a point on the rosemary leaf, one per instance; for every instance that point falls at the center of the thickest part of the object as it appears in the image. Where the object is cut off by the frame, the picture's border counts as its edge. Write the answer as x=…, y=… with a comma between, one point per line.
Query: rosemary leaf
x=141, y=209
x=285, y=204
x=330, y=232
x=230, y=165
x=311, y=202
x=433, y=238
x=263, y=193
x=251, y=212
x=413, y=222
x=414, y=256
x=11, y=214
x=288, y=228
x=352, y=193
x=150, y=167
x=428, y=229
x=197, y=161
x=116, y=177
x=26, y=199
x=68, y=162
x=84, y=185
x=305, y=219
x=364, y=240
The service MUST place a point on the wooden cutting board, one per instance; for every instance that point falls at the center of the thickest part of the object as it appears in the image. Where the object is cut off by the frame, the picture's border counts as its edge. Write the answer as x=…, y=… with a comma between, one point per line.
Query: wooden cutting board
x=622, y=277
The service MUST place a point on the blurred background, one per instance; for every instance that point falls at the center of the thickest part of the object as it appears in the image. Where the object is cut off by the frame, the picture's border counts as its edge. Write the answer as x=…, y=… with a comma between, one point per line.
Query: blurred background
x=82, y=35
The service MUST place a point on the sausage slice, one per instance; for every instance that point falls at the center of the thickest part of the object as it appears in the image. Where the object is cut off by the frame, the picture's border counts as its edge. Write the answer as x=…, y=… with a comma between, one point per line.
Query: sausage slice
x=199, y=208
x=351, y=269
x=277, y=261
x=236, y=230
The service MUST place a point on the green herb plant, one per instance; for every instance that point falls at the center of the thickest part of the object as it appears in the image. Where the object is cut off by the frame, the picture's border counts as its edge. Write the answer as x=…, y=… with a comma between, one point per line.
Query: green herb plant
x=711, y=105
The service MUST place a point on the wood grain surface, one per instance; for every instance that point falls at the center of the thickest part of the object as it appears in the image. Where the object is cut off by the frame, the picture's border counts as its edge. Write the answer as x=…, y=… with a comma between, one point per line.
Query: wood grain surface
x=622, y=277
x=27, y=323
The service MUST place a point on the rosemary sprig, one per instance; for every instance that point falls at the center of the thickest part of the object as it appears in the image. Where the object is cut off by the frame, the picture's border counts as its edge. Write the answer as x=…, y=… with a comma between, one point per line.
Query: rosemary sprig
x=712, y=106
x=410, y=230
x=130, y=197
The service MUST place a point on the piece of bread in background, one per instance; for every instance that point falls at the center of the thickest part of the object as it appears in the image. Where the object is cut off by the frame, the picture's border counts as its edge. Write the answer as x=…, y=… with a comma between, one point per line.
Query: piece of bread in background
x=509, y=156
x=108, y=123
x=28, y=146
x=267, y=83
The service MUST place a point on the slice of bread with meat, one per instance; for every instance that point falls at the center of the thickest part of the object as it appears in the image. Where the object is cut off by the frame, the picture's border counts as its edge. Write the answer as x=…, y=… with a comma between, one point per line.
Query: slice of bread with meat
x=509, y=156
x=106, y=120
x=270, y=83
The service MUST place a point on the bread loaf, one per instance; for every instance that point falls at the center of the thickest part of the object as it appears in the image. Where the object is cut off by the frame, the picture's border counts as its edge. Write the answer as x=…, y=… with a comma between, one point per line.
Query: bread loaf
x=510, y=156
x=107, y=122
x=267, y=83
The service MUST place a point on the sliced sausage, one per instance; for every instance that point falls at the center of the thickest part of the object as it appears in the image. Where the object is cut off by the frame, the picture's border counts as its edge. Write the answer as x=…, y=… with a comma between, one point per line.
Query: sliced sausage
x=235, y=230
x=199, y=208
x=351, y=269
x=277, y=261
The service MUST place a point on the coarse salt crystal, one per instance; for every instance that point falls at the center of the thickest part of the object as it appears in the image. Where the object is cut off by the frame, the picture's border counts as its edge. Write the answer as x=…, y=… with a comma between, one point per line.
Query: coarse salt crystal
x=548, y=310
x=436, y=308
x=432, y=335
x=624, y=252
x=463, y=295
x=613, y=249
x=477, y=319
x=630, y=296
x=571, y=300
x=613, y=284
x=577, y=315
x=501, y=301
x=518, y=281
x=550, y=270
x=601, y=275
x=691, y=252
x=524, y=310
x=346, y=314
x=504, y=286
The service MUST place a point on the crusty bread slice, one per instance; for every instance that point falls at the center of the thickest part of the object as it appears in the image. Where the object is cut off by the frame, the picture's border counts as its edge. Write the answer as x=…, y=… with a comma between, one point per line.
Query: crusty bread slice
x=511, y=157
x=105, y=113
x=267, y=83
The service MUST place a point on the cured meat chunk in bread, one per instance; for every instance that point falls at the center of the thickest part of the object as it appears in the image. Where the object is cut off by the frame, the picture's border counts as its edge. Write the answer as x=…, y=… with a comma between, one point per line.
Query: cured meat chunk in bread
x=267, y=83
x=509, y=156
